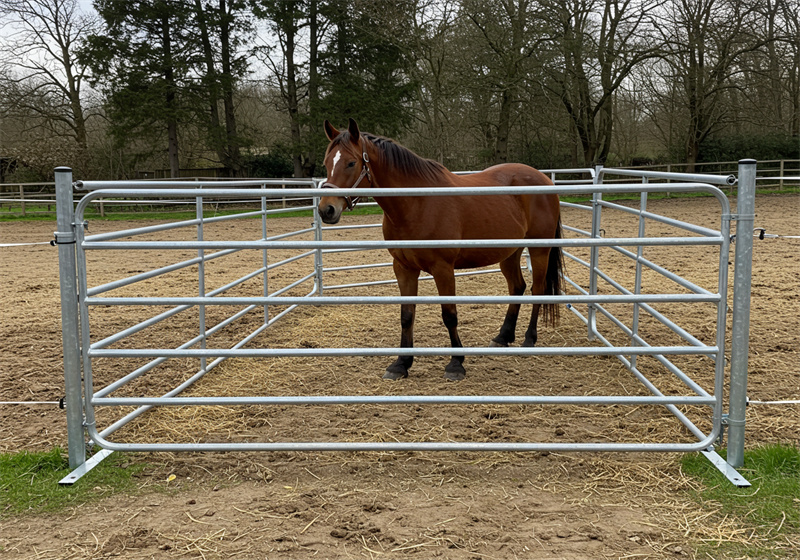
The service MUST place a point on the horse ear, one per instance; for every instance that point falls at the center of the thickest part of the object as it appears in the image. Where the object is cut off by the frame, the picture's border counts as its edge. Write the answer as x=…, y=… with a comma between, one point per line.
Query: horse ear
x=330, y=132
x=354, y=132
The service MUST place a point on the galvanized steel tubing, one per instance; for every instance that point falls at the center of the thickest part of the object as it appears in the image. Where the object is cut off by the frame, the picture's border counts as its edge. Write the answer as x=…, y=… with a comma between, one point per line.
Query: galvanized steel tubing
x=596, y=303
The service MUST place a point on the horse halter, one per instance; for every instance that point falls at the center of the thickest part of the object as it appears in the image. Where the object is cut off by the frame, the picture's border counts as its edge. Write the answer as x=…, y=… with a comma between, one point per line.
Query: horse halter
x=352, y=201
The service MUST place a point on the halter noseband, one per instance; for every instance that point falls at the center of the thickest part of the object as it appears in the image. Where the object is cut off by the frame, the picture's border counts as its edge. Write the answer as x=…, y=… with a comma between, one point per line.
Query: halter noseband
x=352, y=201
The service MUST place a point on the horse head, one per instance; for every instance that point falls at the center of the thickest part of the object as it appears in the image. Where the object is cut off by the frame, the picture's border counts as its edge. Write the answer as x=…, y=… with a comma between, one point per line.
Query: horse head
x=347, y=164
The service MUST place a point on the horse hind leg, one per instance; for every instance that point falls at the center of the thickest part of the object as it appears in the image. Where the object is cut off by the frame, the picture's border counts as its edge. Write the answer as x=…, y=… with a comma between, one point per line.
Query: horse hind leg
x=539, y=263
x=516, y=287
x=454, y=371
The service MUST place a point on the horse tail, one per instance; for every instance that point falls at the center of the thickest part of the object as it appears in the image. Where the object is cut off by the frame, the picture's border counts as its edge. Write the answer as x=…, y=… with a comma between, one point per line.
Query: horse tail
x=554, y=280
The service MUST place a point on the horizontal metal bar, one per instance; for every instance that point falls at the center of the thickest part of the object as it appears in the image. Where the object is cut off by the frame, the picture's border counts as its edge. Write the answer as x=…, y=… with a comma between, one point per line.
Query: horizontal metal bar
x=407, y=399
x=655, y=314
x=691, y=286
x=573, y=181
x=727, y=180
x=405, y=446
x=700, y=230
x=263, y=301
x=349, y=227
x=430, y=351
x=290, y=234
x=576, y=206
x=394, y=281
x=643, y=378
x=675, y=370
x=405, y=244
x=176, y=391
x=591, y=171
x=290, y=259
x=291, y=209
x=171, y=312
x=356, y=267
x=157, y=272
x=564, y=190
x=193, y=185
x=395, y=300
x=147, y=367
x=168, y=226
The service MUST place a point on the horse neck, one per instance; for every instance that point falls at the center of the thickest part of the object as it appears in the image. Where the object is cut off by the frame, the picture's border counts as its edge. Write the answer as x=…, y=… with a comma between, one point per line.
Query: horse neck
x=385, y=177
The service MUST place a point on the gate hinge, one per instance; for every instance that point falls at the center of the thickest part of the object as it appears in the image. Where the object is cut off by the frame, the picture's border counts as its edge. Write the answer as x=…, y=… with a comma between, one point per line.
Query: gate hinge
x=723, y=424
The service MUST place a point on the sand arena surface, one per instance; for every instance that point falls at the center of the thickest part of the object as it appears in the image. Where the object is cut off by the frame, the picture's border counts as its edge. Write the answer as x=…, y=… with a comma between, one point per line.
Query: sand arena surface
x=339, y=505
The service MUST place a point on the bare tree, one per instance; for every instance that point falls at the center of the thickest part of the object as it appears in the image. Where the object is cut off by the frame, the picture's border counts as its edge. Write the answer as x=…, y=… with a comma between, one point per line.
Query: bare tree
x=287, y=20
x=41, y=56
x=510, y=39
x=597, y=44
x=790, y=60
x=706, y=42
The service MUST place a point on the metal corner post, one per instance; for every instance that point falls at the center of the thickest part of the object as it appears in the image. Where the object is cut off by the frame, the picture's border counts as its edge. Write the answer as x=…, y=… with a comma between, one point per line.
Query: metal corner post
x=740, y=325
x=65, y=240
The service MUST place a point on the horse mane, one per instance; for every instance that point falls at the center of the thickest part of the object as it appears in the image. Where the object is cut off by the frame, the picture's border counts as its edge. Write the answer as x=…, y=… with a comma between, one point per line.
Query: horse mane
x=400, y=158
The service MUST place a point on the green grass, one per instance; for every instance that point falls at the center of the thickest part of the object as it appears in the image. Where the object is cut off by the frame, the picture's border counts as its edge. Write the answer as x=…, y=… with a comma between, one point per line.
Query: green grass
x=769, y=510
x=29, y=481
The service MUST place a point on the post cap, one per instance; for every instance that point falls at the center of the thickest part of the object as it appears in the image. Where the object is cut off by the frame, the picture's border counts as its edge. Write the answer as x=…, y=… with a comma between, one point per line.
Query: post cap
x=63, y=170
x=747, y=161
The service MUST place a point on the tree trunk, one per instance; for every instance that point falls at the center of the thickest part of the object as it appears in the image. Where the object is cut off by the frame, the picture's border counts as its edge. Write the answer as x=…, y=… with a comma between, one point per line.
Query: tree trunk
x=313, y=84
x=233, y=155
x=503, y=127
x=291, y=92
x=172, y=122
x=215, y=128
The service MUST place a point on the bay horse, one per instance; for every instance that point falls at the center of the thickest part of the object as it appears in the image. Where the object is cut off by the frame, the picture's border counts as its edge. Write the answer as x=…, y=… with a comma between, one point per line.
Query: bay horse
x=356, y=159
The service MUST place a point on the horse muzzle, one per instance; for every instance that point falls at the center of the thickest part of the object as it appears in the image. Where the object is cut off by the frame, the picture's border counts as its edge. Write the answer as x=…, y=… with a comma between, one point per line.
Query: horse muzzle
x=329, y=210
x=331, y=207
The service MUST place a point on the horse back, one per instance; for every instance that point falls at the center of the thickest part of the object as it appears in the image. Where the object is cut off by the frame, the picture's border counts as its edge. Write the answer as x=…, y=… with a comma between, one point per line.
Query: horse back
x=541, y=211
x=531, y=216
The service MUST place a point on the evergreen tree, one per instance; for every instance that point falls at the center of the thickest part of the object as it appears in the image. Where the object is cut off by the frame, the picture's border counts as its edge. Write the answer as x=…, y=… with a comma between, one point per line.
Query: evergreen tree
x=141, y=64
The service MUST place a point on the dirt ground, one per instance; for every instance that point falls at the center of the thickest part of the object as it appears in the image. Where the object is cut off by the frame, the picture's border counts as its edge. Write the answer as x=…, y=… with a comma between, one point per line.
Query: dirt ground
x=460, y=505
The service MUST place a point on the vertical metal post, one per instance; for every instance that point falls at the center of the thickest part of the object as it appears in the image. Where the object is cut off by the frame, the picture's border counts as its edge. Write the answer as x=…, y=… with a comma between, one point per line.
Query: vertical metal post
x=201, y=278
x=740, y=325
x=65, y=240
x=638, y=275
x=594, y=255
x=318, y=264
x=265, y=255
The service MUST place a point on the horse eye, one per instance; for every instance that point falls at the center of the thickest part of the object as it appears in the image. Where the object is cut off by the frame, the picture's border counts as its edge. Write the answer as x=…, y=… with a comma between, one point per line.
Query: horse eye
x=351, y=164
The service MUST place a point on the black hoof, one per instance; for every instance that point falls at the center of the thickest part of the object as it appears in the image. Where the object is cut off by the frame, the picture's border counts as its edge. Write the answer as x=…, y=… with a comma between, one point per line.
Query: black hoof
x=528, y=343
x=395, y=372
x=454, y=372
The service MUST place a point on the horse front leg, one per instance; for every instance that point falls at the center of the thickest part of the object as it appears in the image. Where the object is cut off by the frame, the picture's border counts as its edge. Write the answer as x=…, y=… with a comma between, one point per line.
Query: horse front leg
x=446, y=286
x=408, y=281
